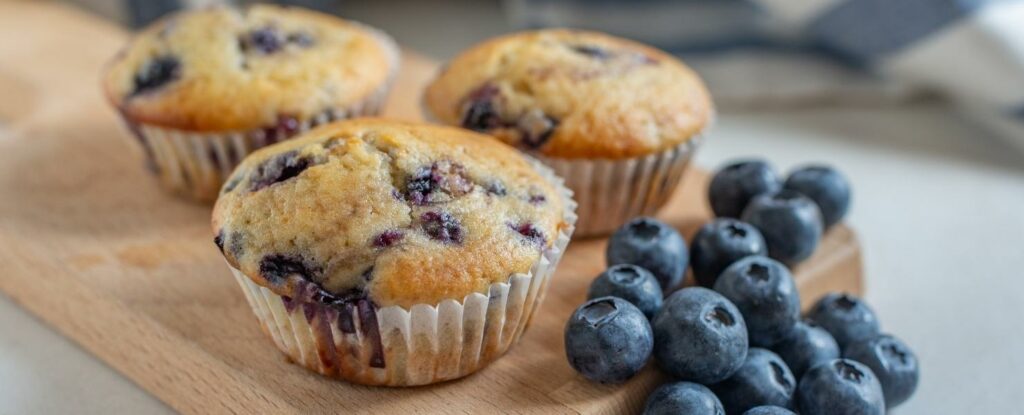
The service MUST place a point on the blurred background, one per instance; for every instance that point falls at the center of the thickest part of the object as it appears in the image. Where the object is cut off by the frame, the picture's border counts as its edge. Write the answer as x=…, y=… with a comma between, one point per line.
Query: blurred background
x=919, y=102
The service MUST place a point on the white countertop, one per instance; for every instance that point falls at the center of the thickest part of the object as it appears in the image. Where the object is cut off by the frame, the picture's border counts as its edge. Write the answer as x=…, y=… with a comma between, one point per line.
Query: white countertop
x=937, y=204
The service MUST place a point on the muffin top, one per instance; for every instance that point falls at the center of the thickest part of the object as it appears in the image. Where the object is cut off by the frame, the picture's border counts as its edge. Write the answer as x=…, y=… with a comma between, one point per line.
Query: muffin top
x=398, y=213
x=572, y=94
x=221, y=69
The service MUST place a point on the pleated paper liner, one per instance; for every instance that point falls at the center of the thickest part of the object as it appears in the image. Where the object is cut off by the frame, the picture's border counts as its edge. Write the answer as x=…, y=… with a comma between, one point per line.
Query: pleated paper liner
x=611, y=192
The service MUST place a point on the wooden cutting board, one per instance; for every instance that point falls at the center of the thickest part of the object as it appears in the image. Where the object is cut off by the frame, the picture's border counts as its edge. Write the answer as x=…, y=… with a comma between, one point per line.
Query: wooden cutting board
x=91, y=246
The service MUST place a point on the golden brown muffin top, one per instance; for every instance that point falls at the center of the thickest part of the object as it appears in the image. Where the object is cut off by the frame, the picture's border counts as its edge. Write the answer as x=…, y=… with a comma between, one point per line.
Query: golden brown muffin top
x=572, y=94
x=221, y=69
x=400, y=213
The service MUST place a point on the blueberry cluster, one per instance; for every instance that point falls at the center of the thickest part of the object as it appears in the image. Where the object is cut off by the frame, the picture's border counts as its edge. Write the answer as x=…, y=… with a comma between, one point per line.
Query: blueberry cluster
x=791, y=215
x=737, y=343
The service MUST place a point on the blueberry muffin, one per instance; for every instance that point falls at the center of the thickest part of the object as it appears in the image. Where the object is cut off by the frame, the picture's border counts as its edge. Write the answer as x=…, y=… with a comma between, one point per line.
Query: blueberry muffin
x=202, y=89
x=617, y=119
x=391, y=253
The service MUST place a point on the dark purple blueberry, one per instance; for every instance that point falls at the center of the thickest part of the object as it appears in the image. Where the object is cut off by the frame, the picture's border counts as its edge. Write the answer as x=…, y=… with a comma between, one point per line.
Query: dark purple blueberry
x=535, y=128
x=278, y=169
x=443, y=176
x=442, y=227
x=278, y=267
x=734, y=185
x=826, y=187
x=388, y=238
x=653, y=245
x=699, y=336
x=537, y=199
x=156, y=73
x=847, y=318
x=231, y=184
x=532, y=235
x=285, y=126
x=497, y=188
x=679, y=398
x=892, y=362
x=592, y=51
x=806, y=346
x=479, y=111
x=763, y=379
x=608, y=340
x=840, y=387
x=630, y=283
x=219, y=241
x=302, y=39
x=266, y=40
x=718, y=244
x=790, y=223
x=765, y=293
x=235, y=240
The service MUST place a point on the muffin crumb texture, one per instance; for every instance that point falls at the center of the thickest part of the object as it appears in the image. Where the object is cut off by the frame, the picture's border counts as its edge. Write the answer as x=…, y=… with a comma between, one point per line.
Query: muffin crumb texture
x=572, y=94
x=222, y=69
x=393, y=213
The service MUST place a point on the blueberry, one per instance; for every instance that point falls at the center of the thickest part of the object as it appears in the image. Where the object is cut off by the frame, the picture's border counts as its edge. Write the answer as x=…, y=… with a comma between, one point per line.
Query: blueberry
x=497, y=188
x=763, y=379
x=432, y=184
x=630, y=283
x=530, y=234
x=278, y=267
x=653, y=245
x=302, y=39
x=769, y=410
x=699, y=336
x=156, y=73
x=592, y=51
x=718, y=244
x=764, y=292
x=278, y=169
x=789, y=222
x=265, y=39
x=442, y=227
x=608, y=340
x=284, y=126
x=219, y=241
x=806, y=346
x=840, y=387
x=736, y=184
x=826, y=187
x=479, y=110
x=845, y=317
x=387, y=238
x=535, y=128
x=683, y=398
x=892, y=362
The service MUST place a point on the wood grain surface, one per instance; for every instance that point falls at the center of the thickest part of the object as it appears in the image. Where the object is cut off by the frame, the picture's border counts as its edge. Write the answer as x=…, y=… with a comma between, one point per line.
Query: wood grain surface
x=90, y=245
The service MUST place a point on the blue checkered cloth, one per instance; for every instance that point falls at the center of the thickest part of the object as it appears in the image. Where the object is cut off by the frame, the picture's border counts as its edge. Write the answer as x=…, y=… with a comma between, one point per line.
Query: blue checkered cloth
x=970, y=50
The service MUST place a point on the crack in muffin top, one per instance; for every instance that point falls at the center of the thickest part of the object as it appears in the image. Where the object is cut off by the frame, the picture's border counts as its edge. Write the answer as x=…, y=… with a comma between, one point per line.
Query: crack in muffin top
x=399, y=213
x=572, y=94
x=223, y=69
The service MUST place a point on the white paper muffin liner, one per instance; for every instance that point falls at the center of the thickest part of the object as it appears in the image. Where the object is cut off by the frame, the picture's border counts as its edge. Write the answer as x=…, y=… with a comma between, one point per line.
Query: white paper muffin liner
x=611, y=192
x=428, y=343
x=196, y=164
